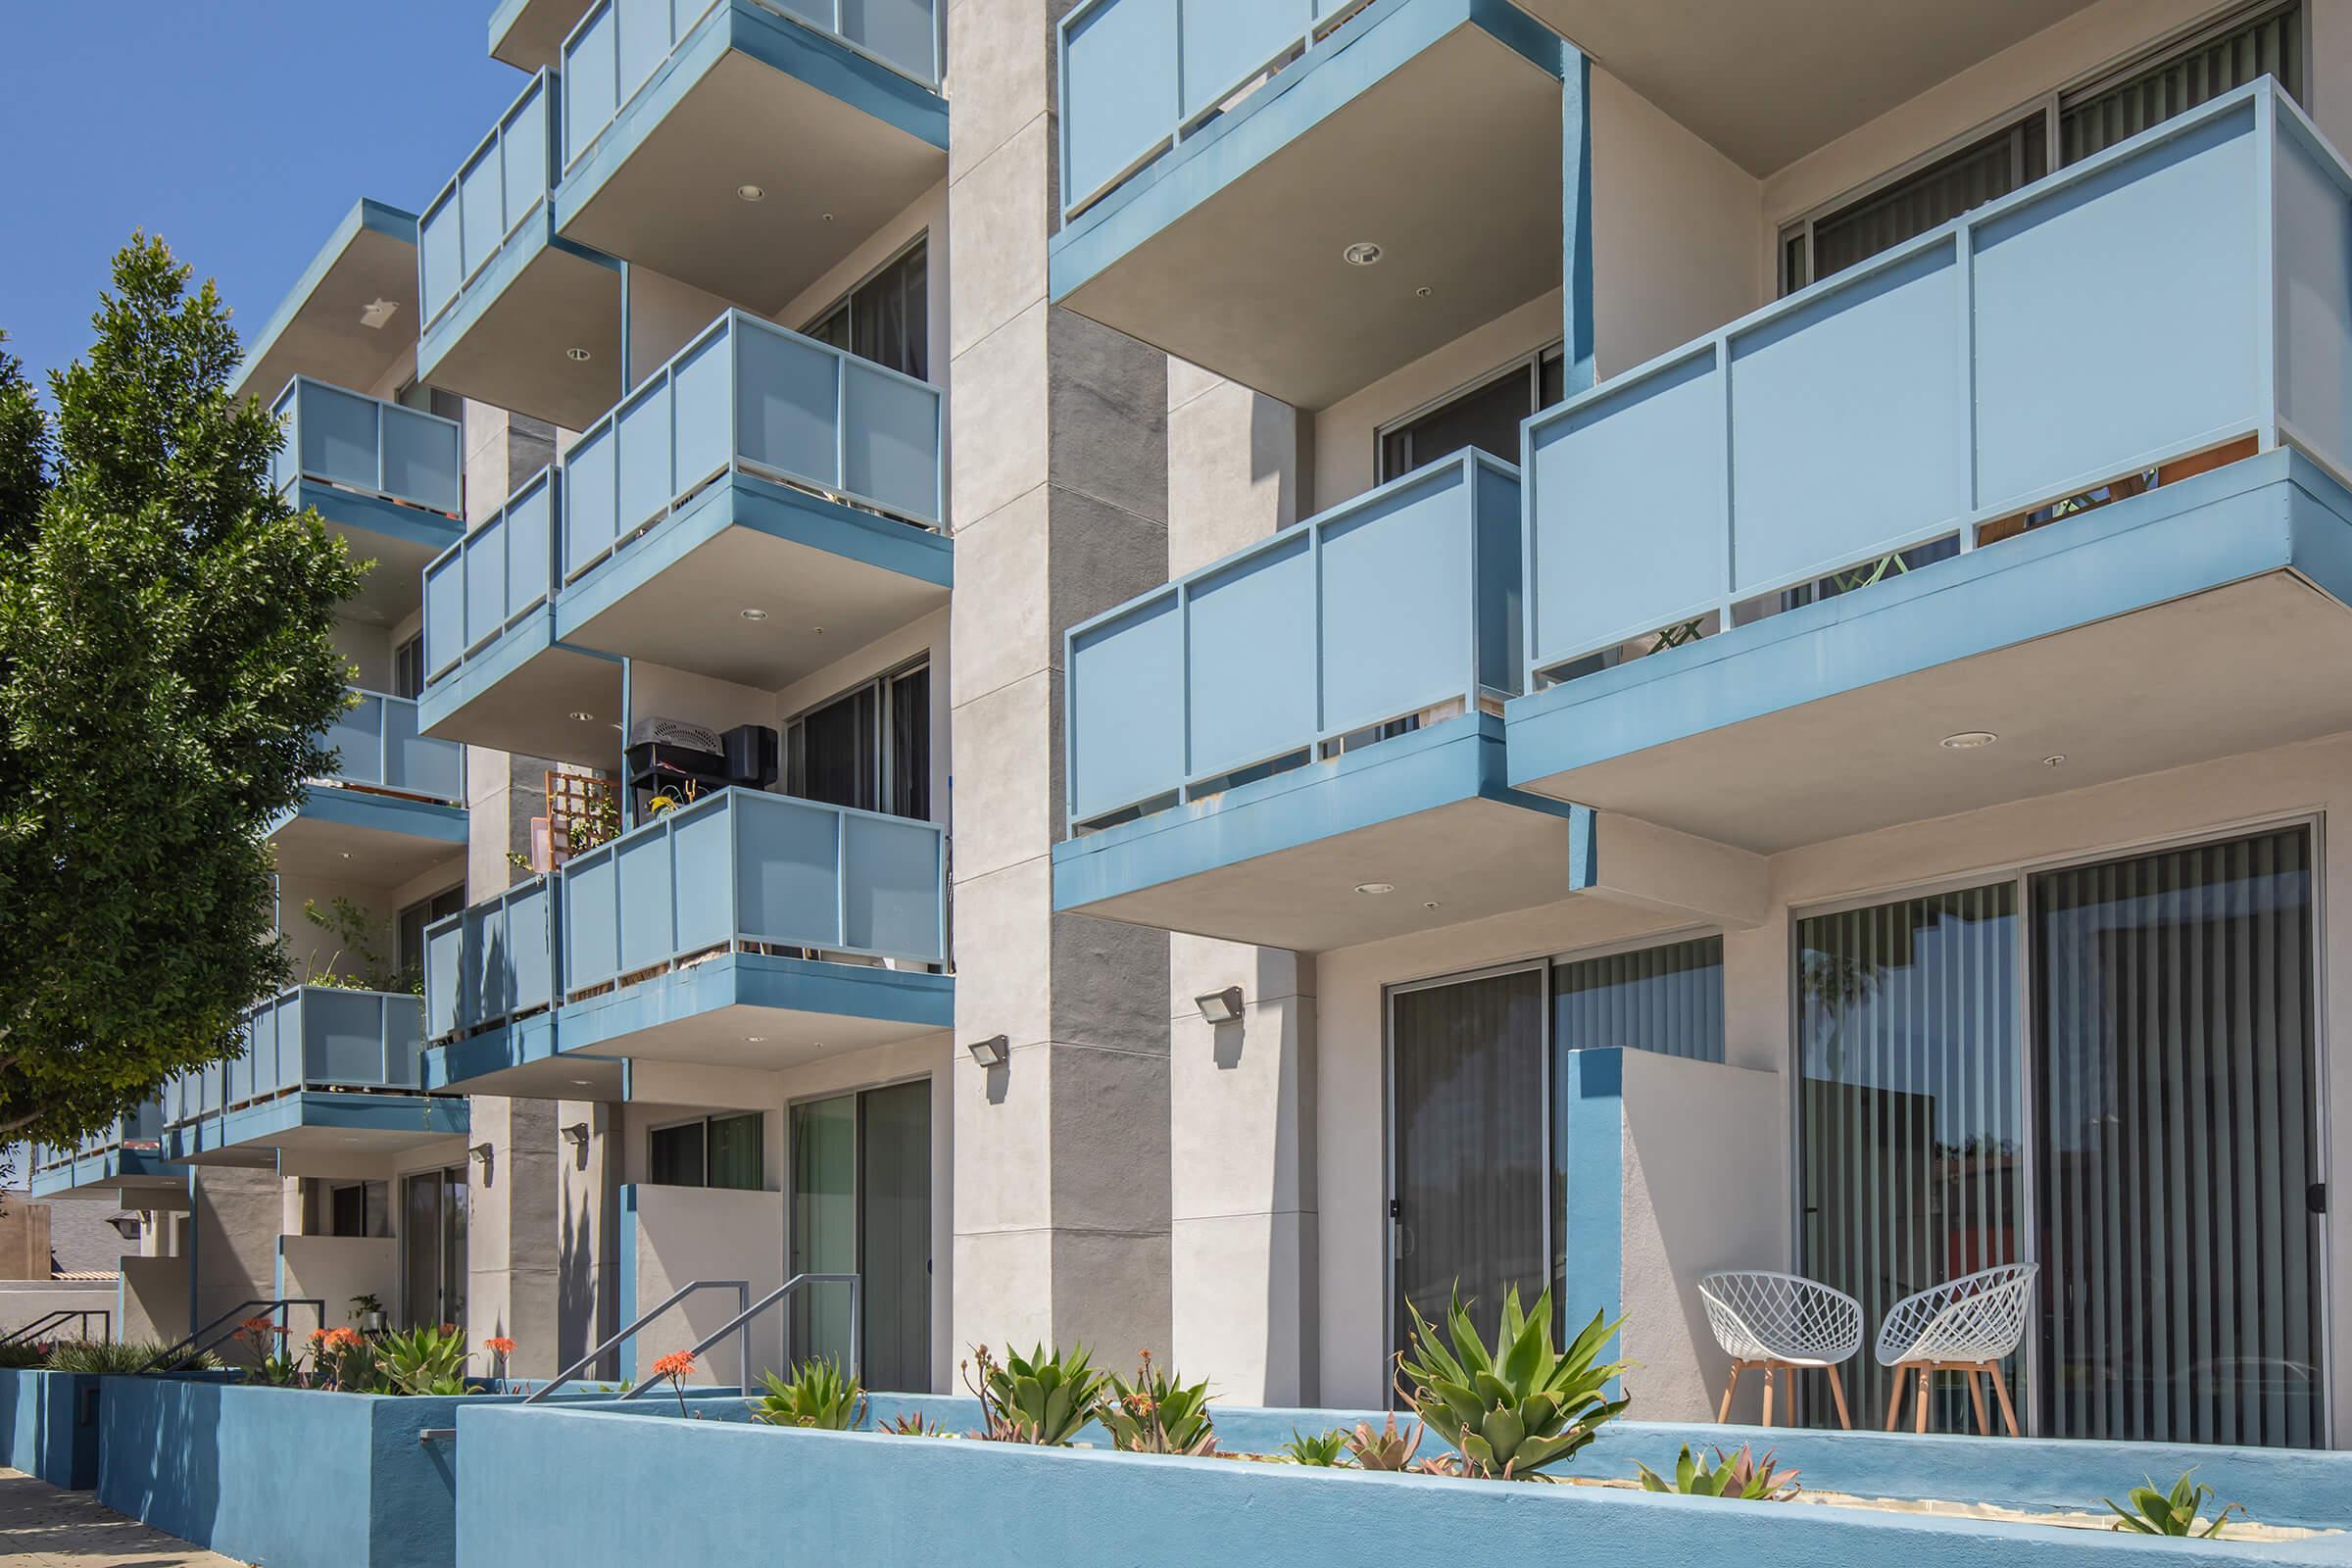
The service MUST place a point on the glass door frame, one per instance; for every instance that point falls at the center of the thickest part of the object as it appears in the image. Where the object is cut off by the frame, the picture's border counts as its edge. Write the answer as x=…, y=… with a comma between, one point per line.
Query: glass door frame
x=442, y=1178
x=2020, y=875
x=788, y=1186
x=1539, y=965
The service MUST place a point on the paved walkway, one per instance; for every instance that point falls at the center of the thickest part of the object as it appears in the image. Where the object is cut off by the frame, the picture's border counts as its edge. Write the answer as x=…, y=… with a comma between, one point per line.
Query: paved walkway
x=41, y=1526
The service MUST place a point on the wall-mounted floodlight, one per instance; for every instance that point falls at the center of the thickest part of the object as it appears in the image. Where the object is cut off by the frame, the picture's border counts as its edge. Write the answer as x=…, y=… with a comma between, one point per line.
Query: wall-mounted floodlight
x=992, y=1052
x=1221, y=1006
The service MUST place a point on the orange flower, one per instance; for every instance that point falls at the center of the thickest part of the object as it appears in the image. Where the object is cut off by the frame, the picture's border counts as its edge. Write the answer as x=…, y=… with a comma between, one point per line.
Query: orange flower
x=498, y=1345
x=318, y=1337
x=676, y=1364
x=257, y=1328
x=342, y=1339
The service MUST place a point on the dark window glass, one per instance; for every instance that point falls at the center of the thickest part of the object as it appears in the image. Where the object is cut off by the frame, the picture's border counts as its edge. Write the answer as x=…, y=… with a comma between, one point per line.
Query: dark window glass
x=834, y=753
x=2112, y=111
x=674, y=1156
x=358, y=1208
x=412, y=924
x=1488, y=416
x=1667, y=999
x=735, y=1154
x=911, y=744
x=887, y=319
x=408, y=668
x=1976, y=174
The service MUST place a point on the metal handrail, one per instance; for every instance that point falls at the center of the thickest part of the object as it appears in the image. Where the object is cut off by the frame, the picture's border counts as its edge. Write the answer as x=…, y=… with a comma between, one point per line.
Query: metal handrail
x=741, y=1321
x=173, y=1352
x=743, y=1294
x=31, y=1330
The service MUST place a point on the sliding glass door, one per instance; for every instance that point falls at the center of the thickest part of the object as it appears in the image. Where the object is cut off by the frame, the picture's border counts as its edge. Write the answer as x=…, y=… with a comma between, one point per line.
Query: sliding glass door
x=861, y=1204
x=432, y=1248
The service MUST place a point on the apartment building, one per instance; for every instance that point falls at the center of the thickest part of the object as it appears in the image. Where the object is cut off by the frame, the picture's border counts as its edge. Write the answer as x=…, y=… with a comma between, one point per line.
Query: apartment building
x=1314, y=653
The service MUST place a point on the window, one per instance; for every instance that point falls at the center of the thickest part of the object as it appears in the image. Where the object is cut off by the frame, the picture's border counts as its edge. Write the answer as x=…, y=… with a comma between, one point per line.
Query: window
x=1665, y=999
x=2266, y=40
x=407, y=668
x=869, y=749
x=708, y=1151
x=412, y=924
x=861, y=1203
x=1487, y=417
x=887, y=319
x=350, y=1208
x=432, y=1247
x=432, y=399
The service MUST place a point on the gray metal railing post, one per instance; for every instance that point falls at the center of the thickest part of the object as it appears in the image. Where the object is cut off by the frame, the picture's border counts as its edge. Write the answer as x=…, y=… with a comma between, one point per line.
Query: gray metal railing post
x=743, y=1294
x=741, y=1324
x=280, y=1305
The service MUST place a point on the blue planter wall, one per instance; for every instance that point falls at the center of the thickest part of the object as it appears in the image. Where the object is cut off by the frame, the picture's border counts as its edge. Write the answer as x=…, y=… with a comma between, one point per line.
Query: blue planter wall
x=49, y=1426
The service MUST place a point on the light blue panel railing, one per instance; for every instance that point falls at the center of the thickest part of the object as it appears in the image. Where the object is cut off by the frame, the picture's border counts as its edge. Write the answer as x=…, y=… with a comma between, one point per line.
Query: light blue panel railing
x=369, y=445
x=502, y=182
x=1298, y=640
x=1140, y=76
x=491, y=962
x=311, y=1036
x=2188, y=288
x=138, y=1129
x=492, y=577
x=742, y=868
x=378, y=744
x=748, y=394
x=620, y=45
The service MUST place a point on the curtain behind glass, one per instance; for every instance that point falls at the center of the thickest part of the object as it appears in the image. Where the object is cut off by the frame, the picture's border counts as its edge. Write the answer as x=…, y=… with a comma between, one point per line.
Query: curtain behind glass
x=911, y=744
x=2271, y=47
x=674, y=1156
x=1910, y=1132
x=453, y=1246
x=1467, y=1066
x=420, y=1249
x=835, y=753
x=1910, y=207
x=1667, y=999
x=735, y=1152
x=2175, y=1036
x=894, y=1172
x=824, y=1224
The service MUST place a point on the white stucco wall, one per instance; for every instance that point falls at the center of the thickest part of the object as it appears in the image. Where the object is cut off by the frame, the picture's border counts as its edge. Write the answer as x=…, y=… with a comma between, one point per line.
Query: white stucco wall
x=336, y=1268
x=689, y=1233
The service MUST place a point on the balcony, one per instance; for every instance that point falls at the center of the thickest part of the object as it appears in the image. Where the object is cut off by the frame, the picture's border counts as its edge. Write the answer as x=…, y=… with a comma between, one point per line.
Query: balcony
x=529, y=34
x=1300, y=744
x=394, y=806
x=352, y=318
x=2001, y=484
x=672, y=106
x=514, y=315
x=754, y=930
x=490, y=989
x=324, y=1072
x=391, y=481
x=127, y=1156
x=1220, y=162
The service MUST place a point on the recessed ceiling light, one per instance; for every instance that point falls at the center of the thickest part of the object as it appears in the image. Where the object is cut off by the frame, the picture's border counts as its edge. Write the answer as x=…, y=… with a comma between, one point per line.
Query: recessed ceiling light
x=1376, y=887
x=752, y=614
x=1430, y=904
x=346, y=854
x=750, y=193
x=582, y=1083
x=754, y=1039
x=1968, y=740
x=1363, y=253
x=2056, y=761
x=828, y=218
x=579, y=356
x=582, y=716
x=375, y=313
x=1423, y=292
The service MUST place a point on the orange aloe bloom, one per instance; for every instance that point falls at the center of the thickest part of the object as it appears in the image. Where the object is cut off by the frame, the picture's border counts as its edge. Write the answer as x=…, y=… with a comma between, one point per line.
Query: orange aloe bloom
x=318, y=1337
x=676, y=1364
x=498, y=1345
x=255, y=1328
x=342, y=1338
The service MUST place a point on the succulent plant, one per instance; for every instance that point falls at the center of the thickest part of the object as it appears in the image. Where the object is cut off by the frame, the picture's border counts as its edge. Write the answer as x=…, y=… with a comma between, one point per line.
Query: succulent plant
x=2174, y=1514
x=915, y=1424
x=1044, y=1399
x=1156, y=1413
x=1324, y=1449
x=1520, y=1406
x=1384, y=1450
x=816, y=1394
x=1737, y=1475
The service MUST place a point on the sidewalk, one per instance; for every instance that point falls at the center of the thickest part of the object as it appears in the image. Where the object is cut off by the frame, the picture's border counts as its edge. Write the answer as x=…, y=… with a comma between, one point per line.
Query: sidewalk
x=41, y=1526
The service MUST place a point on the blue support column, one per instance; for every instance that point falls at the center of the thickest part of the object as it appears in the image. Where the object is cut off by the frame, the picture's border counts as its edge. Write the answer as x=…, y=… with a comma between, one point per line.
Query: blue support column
x=1576, y=212
x=1589, y=1139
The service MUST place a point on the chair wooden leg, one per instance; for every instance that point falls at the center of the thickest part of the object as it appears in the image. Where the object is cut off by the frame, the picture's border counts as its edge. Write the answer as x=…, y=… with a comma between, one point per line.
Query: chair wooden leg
x=1789, y=1393
x=2000, y=1388
x=1894, y=1396
x=1976, y=1397
x=1838, y=1392
x=1730, y=1387
x=1768, y=1394
x=1919, y=1416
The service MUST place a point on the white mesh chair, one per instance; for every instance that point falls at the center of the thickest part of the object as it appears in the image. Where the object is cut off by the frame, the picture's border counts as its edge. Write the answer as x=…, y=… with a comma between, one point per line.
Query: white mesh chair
x=1778, y=1323
x=1966, y=1325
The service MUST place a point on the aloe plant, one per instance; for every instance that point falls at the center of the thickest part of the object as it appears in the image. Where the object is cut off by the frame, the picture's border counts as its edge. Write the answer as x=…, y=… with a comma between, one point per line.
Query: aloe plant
x=1384, y=1450
x=1738, y=1475
x=422, y=1360
x=816, y=1394
x=1043, y=1399
x=915, y=1424
x=1156, y=1413
x=1322, y=1449
x=1519, y=1406
x=2174, y=1514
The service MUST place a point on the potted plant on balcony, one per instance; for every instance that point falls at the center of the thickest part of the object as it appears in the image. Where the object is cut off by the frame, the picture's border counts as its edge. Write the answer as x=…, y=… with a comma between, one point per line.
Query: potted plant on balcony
x=369, y=1311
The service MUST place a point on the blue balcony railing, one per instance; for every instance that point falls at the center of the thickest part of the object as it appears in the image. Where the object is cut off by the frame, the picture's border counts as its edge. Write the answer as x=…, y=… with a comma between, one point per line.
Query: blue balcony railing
x=748, y=396
x=620, y=46
x=311, y=1036
x=492, y=961
x=1388, y=608
x=139, y=1131
x=1138, y=77
x=492, y=577
x=378, y=745
x=2181, y=294
x=741, y=868
x=502, y=182
x=369, y=446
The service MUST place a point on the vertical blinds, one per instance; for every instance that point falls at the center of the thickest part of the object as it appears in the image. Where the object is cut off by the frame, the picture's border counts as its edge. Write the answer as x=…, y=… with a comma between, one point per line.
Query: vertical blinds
x=1971, y=177
x=1666, y=999
x=2175, y=1037
x=1910, y=1126
x=2103, y=116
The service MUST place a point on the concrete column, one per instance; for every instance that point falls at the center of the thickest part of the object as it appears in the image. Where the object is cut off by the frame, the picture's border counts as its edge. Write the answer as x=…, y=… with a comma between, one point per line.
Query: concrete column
x=233, y=1241
x=1241, y=1118
x=1059, y=503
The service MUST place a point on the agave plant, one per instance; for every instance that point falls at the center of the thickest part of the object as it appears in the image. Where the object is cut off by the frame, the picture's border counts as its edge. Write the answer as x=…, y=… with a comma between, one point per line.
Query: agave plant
x=422, y=1360
x=915, y=1424
x=1322, y=1449
x=816, y=1394
x=1520, y=1406
x=1040, y=1399
x=2174, y=1514
x=1738, y=1475
x=1384, y=1450
x=1156, y=1413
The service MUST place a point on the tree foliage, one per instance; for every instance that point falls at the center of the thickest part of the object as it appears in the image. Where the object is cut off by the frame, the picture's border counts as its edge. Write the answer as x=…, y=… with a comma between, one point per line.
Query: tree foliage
x=165, y=675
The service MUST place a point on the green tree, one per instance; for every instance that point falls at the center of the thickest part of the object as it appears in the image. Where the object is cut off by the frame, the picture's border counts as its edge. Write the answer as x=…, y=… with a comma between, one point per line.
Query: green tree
x=166, y=674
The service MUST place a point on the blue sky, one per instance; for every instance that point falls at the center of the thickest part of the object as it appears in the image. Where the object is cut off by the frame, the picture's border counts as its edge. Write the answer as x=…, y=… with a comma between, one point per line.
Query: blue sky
x=240, y=130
